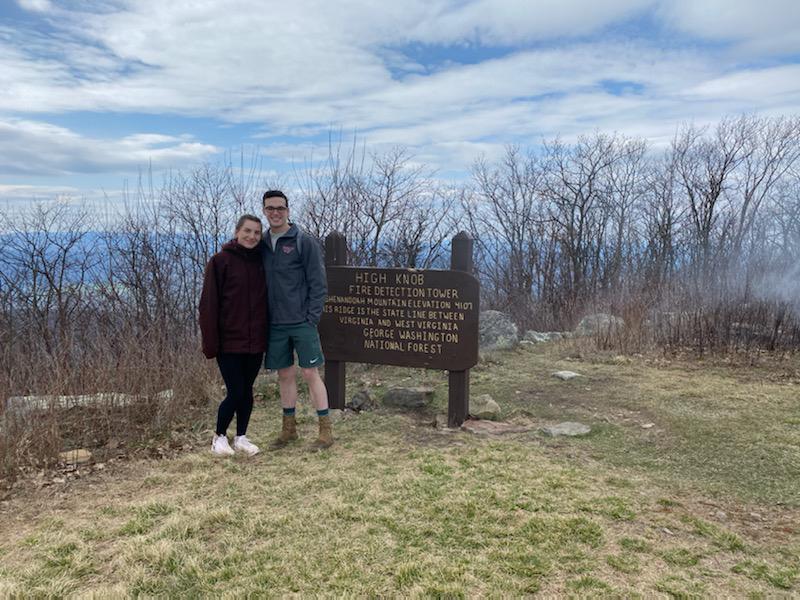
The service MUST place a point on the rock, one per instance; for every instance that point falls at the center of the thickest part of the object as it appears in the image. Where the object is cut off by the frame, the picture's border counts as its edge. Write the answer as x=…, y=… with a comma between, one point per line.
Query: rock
x=362, y=400
x=412, y=398
x=75, y=457
x=25, y=404
x=648, y=425
x=599, y=323
x=481, y=427
x=496, y=331
x=566, y=375
x=535, y=337
x=567, y=428
x=21, y=405
x=484, y=407
x=165, y=396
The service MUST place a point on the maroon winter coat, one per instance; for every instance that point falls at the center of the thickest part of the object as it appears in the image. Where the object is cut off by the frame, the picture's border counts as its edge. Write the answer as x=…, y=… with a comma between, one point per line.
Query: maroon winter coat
x=233, y=304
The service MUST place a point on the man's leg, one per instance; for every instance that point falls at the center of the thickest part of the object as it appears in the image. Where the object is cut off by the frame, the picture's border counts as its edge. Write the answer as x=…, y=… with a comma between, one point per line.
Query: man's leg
x=280, y=358
x=319, y=396
x=316, y=388
x=287, y=383
x=309, y=355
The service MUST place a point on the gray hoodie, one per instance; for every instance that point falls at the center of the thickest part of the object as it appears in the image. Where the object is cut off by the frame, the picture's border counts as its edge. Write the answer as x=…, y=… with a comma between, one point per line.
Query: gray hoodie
x=296, y=280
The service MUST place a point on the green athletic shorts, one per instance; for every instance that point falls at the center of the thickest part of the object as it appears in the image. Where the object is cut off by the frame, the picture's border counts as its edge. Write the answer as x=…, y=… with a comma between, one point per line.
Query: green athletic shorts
x=285, y=340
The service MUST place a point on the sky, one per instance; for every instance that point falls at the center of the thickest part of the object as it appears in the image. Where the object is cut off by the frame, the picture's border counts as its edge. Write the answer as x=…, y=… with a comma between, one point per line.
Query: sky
x=95, y=92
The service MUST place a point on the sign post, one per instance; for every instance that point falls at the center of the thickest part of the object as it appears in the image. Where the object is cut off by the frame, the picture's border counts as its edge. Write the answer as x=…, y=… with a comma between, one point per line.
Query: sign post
x=335, y=255
x=407, y=317
x=458, y=381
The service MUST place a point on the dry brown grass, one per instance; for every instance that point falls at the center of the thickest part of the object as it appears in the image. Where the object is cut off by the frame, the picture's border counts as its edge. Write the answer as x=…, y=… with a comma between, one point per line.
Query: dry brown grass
x=397, y=508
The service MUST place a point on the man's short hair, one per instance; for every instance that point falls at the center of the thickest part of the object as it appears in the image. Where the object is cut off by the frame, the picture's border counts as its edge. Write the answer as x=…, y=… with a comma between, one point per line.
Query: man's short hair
x=244, y=218
x=275, y=194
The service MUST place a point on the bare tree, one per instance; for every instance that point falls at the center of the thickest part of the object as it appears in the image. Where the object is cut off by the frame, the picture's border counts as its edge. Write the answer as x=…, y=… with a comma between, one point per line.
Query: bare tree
x=508, y=222
x=375, y=201
x=705, y=168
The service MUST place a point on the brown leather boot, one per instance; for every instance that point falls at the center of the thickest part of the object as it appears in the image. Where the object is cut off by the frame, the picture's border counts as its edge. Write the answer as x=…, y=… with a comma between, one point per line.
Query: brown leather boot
x=288, y=433
x=325, y=439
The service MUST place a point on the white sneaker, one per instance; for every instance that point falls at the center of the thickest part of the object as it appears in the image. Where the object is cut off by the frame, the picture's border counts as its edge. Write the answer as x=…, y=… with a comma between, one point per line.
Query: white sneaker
x=242, y=444
x=220, y=446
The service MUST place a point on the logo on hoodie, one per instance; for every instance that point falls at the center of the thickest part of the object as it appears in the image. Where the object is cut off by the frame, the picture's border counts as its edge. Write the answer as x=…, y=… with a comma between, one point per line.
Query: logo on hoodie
x=288, y=249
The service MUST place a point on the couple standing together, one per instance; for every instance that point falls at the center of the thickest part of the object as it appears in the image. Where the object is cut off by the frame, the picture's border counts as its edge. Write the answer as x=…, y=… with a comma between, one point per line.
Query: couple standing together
x=265, y=294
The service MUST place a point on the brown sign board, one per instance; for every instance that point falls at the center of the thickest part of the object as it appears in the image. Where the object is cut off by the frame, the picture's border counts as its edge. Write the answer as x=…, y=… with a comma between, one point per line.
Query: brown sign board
x=404, y=317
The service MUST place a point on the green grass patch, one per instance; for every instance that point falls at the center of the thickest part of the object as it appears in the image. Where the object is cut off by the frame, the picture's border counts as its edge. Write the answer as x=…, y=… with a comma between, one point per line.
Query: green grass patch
x=399, y=509
x=634, y=544
x=624, y=563
x=724, y=539
x=781, y=577
x=681, y=557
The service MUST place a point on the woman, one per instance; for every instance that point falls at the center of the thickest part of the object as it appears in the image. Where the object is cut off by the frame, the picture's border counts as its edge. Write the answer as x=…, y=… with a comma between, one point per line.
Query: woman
x=233, y=324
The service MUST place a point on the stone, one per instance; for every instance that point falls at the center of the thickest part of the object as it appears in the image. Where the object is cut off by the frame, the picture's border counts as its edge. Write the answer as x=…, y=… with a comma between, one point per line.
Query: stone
x=165, y=396
x=535, y=337
x=496, y=331
x=567, y=428
x=484, y=407
x=362, y=400
x=648, y=425
x=408, y=398
x=24, y=404
x=599, y=323
x=482, y=427
x=75, y=457
x=566, y=375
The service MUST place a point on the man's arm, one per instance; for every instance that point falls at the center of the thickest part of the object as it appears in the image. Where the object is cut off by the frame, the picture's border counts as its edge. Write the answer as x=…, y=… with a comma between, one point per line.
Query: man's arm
x=315, y=278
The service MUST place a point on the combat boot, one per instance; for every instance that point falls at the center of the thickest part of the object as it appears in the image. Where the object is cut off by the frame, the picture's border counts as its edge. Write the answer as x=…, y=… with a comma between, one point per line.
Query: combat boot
x=288, y=433
x=325, y=439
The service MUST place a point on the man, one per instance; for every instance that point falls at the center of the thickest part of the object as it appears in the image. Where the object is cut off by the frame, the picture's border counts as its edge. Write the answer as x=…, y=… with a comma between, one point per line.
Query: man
x=296, y=288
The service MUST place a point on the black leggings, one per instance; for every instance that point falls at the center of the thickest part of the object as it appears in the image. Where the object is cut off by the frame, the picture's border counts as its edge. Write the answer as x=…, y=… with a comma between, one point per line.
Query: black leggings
x=239, y=372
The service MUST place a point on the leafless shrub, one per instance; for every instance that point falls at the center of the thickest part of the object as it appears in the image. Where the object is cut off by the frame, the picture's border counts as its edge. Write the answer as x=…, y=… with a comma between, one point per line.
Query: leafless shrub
x=108, y=313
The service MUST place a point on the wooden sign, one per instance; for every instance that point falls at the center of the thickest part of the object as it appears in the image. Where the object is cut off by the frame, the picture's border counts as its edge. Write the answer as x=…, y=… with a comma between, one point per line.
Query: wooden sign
x=404, y=317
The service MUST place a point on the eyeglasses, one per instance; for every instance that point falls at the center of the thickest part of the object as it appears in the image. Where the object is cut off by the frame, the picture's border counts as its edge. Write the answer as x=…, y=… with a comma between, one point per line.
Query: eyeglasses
x=278, y=209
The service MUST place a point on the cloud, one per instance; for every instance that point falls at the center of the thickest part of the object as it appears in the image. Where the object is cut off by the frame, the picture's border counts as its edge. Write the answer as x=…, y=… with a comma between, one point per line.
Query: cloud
x=445, y=77
x=38, y=149
x=749, y=85
x=27, y=192
x=507, y=22
x=222, y=57
x=35, y=5
x=764, y=27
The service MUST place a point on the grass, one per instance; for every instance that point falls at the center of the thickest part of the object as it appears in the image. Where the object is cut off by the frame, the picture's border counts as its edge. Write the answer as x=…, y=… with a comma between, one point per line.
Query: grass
x=399, y=509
